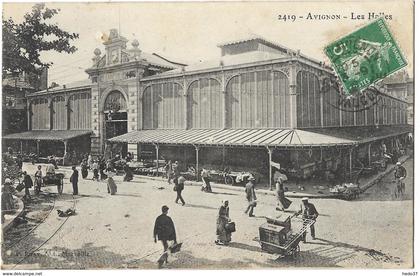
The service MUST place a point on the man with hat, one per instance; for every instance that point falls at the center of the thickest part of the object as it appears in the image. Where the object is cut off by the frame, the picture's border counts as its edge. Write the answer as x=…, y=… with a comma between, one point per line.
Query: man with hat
x=309, y=212
x=164, y=228
x=400, y=172
x=179, y=187
x=250, y=196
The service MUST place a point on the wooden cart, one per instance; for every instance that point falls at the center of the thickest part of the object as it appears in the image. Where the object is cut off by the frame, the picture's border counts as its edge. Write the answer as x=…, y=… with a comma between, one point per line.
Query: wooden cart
x=290, y=246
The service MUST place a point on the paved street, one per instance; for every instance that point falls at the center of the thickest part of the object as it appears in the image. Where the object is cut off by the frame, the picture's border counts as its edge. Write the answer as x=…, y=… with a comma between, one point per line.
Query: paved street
x=116, y=231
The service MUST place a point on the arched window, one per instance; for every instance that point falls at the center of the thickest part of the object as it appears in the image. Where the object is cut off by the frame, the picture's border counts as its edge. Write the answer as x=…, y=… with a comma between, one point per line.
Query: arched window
x=115, y=101
x=308, y=100
x=205, y=104
x=80, y=108
x=59, y=115
x=40, y=114
x=258, y=100
x=163, y=106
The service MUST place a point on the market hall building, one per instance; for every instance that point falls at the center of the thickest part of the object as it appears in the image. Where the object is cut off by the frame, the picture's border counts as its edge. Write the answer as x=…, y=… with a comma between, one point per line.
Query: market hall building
x=260, y=103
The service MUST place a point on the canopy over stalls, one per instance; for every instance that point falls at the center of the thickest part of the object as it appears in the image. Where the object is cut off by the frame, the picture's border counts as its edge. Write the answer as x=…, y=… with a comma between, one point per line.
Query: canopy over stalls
x=232, y=137
x=49, y=135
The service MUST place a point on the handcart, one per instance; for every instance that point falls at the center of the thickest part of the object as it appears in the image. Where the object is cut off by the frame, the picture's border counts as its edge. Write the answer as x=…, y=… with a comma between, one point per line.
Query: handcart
x=54, y=179
x=284, y=238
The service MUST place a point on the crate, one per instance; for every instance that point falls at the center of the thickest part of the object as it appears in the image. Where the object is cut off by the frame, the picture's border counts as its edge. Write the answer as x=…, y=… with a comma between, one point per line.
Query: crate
x=274, y=234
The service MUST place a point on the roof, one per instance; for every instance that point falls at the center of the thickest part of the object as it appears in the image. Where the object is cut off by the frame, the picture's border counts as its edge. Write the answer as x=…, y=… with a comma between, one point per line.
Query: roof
x=157, y=60
x=71, y=85
x=48, y=135
x=16, y=83
x=232, y=137
x=227, y=60
x=262, y=137
x=255, y=38
x=365, y=134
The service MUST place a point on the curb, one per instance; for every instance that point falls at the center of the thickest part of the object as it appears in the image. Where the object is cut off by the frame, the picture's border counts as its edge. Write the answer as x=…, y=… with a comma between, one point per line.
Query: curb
x=19, y=212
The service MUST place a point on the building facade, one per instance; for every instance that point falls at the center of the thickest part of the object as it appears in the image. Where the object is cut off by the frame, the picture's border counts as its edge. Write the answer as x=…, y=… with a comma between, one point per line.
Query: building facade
x=259, y=103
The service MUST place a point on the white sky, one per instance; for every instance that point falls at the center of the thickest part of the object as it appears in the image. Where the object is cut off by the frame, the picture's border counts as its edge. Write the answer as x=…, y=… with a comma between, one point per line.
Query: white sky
x=189, y=32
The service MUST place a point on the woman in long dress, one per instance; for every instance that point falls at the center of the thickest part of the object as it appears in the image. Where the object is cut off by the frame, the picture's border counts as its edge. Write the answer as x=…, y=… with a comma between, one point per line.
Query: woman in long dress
x=282, y=201
x=111, y=185
x=223, y=236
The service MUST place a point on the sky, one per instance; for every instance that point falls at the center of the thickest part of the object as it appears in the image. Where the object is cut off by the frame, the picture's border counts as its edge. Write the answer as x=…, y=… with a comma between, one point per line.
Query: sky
x=189, y=32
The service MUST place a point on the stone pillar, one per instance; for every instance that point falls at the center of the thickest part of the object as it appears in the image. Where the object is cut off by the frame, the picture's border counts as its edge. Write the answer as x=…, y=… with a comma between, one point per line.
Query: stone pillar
x=292, y=92
x=29, y=114
x=96, y=144
x=350, y=160
x=369, y=153
x=65, y=151
x=133, y=112
x=185, y=94
x=67, y=107
x=270, y=173
x=224, y=100
x=50, y=112
x=197, y=149
x=157, y=159
x=37, y=147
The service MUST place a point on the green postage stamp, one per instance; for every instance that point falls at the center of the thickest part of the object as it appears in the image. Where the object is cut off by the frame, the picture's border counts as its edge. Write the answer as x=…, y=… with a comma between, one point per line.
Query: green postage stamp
x=365, y=56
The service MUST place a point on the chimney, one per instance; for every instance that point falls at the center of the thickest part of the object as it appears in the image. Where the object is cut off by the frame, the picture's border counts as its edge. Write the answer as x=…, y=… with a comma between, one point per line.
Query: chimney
x=43, y=79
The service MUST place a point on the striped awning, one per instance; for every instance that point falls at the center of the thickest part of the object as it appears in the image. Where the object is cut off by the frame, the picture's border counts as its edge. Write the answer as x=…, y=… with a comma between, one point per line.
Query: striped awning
x=232, y=137
x=49, y=135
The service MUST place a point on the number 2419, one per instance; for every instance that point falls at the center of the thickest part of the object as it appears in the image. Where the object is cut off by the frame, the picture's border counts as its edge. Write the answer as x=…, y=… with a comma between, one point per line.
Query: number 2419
x=287, y=17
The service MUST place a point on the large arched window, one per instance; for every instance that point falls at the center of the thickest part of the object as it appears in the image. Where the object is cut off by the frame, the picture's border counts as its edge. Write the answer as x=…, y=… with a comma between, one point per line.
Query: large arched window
x=308, y=100
x=80, y=107
x=205, y=104
x=40, y=114
x=163, y=106
x=258, y=100
x=59, y=115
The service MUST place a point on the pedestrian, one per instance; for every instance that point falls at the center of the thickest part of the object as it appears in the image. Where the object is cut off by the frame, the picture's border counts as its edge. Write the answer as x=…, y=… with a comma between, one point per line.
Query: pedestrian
x=111, y=185
x=128, y=173
x=95, y=168
x=205, y=176
x=178, y=188
x=102, y=167
x=309, y=212
x=168, y=170
x=27, y=181
x=164, y=229
x=282, y=202
x=223, y=235
x=90, y=161
x=400, y=172
x=176, y=170
x=74, y=179
x=38, y=180
x=7, y=202
x=84, y=168
x=250, y=196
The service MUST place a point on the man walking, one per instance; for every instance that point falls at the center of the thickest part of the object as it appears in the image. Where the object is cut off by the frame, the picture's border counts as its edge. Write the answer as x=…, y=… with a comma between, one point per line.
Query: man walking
x=27, y=181
x=309, y=212
x=164, y=228
x=74, y=179
x=179, y=187
x=250, y=196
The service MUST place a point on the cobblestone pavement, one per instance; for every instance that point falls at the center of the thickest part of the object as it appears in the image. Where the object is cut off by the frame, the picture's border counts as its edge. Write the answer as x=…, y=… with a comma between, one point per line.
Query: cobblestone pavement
x=116, y=231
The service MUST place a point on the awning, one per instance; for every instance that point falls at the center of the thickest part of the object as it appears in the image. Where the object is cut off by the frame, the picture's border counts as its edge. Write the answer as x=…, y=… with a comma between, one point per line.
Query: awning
x=232, y=137
x=47, y=135
x=363, y=135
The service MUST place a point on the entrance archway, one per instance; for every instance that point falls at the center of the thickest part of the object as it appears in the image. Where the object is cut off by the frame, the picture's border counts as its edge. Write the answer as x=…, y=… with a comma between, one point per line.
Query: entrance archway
x=115, y=121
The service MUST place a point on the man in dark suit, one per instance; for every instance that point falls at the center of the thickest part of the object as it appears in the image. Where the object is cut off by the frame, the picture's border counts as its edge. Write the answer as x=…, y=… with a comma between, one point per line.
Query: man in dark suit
x=309, y=212
x=74, y=179
x=250, y=196
x=164, y=228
